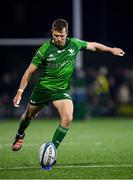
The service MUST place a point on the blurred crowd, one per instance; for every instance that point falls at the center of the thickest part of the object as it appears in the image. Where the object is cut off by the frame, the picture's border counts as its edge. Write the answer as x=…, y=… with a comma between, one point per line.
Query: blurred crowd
x=95, y=91
x=110, y=93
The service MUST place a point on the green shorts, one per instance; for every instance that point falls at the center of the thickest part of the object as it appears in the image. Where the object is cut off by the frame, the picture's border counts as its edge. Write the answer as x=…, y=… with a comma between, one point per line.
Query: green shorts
x=46, y=96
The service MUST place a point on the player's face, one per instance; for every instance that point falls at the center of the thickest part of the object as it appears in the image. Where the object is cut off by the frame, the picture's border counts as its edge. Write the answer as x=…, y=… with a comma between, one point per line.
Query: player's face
x=59, y=37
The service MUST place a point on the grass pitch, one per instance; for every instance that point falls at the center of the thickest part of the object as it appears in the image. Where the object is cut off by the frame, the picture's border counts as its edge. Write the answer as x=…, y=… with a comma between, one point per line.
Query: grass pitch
x=92, y=149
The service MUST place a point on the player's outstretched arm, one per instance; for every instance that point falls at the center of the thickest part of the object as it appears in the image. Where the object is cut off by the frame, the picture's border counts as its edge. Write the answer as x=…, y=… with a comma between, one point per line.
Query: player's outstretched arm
x=94, y=46
x=24, y=81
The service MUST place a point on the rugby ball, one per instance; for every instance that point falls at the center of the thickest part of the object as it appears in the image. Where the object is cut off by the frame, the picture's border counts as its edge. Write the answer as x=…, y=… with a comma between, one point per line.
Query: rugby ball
x=47, y=155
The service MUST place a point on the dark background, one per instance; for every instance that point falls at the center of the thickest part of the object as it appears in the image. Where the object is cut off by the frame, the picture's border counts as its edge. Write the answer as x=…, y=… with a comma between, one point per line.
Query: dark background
x=105, y=21
x=108, y=22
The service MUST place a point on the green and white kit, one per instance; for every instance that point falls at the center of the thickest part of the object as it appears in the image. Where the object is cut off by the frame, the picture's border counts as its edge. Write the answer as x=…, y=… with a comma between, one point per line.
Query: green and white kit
x=57, y=63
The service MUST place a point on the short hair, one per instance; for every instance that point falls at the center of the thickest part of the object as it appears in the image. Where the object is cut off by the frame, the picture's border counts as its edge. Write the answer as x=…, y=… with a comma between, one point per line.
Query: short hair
x=59, y=24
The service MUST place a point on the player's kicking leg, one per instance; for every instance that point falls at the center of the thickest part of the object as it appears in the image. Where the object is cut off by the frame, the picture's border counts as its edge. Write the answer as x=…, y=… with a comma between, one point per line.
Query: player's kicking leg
x=24, y=123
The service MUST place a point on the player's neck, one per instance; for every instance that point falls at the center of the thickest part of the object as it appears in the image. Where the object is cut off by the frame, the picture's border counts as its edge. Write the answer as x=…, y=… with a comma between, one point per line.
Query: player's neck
x=59, y=45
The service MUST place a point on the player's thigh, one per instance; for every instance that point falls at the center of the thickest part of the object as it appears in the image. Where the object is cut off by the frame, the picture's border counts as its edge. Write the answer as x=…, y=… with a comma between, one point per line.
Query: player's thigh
x=65, y=108
x=32, y=110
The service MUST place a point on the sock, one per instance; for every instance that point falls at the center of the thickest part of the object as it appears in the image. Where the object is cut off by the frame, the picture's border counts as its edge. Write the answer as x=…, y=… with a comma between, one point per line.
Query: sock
x=24, y=123
x=59, y=135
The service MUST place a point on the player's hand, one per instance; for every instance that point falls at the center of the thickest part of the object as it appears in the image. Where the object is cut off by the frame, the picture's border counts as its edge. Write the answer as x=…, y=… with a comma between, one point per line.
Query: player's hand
x=118, y=52
x=17, y=100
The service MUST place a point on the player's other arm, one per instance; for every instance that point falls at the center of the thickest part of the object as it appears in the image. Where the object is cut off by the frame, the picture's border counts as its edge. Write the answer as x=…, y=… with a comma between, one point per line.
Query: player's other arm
x=24, y=81
x=94, y=46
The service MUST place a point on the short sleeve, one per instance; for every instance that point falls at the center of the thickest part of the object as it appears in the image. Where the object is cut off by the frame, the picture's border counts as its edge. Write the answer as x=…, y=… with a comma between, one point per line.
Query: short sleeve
x=81, y=44
x=40, y=55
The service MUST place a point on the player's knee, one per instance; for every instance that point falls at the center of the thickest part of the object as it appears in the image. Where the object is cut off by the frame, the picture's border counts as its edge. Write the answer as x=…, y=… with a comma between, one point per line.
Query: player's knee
x=26, y=116
x=67, y=119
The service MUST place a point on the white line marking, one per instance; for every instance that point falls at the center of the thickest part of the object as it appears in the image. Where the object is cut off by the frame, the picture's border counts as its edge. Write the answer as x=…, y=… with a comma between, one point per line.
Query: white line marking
x=63, y=144
x=22, y=41
x=26, y=145
x=71, y=166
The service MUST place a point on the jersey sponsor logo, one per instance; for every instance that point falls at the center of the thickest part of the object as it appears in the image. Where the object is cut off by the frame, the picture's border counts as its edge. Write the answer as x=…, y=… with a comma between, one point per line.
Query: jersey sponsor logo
x=51, y=55
x=51, y=58
x=61, y=64
x=60, y=51
x=71, y=50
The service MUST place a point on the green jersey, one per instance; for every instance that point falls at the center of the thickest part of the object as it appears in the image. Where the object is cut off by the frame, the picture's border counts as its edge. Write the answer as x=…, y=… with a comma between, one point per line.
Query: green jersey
x=57, y=63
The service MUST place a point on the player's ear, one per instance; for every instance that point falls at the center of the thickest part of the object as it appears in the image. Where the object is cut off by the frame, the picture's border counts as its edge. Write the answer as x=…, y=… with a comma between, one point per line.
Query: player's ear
x=51, y=32
x=67, y=32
